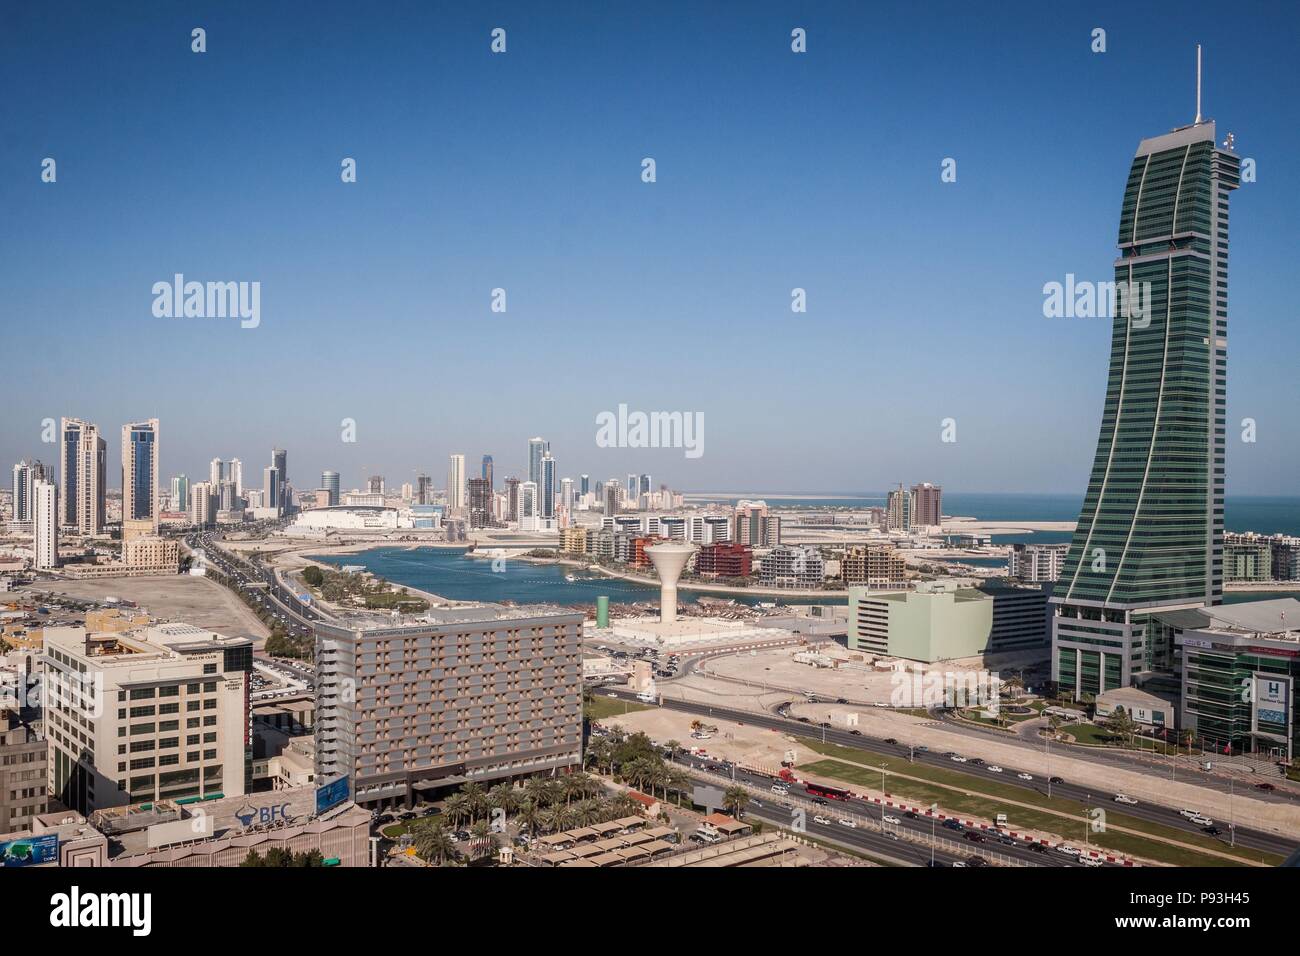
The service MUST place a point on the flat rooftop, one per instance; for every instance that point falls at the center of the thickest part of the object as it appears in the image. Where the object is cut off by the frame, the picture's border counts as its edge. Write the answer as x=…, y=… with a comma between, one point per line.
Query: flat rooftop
x=1277, y=617
x=444, y=616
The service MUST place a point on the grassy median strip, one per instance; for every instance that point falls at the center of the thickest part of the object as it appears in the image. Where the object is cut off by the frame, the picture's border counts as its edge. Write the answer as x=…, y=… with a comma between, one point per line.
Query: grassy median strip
x=979, y=798
x=602, y=707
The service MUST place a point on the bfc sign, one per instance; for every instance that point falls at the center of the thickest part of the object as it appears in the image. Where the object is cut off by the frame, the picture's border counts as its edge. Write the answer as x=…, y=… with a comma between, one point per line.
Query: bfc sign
x=250, y=816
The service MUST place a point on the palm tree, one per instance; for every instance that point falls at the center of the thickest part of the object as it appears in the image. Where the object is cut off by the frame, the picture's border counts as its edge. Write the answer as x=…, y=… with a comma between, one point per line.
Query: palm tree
x=483, y=839
x=504, y=797
x=538, y=790
x=476, y=799
x=680, y=781
x=735, y=800
x=457, y=809
x=433, y=843
x=528, y=814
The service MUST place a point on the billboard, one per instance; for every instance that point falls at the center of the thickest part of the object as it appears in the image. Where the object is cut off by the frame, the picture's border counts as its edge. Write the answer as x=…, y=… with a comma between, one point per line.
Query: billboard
x=330, y=795
x=30, y=851
x=1272, y=699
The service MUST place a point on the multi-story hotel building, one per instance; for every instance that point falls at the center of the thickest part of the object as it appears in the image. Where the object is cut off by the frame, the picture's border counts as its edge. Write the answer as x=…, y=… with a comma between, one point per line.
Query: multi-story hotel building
x=82, y=460
x=1150, y=534
x=159, y=713
x=467, y=694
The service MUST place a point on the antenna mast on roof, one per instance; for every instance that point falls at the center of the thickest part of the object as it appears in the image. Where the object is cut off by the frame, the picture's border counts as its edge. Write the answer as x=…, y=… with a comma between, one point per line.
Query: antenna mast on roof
x=1198, y=83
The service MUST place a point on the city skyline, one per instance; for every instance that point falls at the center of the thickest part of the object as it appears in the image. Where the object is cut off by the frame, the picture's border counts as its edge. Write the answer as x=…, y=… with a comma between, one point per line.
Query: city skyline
x=693, y=251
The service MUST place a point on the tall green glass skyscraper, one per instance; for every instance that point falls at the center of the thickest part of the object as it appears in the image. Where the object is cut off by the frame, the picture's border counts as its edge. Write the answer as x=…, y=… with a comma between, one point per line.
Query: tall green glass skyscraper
x=1150, y=534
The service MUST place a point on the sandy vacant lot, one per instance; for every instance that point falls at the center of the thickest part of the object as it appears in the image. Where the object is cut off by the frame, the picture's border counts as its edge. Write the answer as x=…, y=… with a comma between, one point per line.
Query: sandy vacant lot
x=173, y=597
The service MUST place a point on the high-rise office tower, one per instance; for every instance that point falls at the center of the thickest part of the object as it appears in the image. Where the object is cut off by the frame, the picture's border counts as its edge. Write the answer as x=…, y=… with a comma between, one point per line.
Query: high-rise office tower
x=329, y=480
x=566, y=494
x=480, y=503
x=272, y=489
x=235, y=473
x=537, y=449
x=140, y=474
x=643, y=485
x=216, y=472
x=529, y=519
x=611, y=496
x=280, y=462
x=375, y=484
x=631, y=488
x=487, y=472
x=512, y=499
x=45, y=524
x=1150, y=533
x=584, y=484
x=898, y=509
x=547, y=489
x=423, y=489
x=456, y=482
x=180, y=493
x=927, y=505
x=26, y=473
x=83, y=457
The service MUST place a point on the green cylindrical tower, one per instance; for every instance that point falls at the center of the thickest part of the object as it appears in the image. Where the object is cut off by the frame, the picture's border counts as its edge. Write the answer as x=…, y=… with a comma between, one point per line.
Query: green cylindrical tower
x=602, y=611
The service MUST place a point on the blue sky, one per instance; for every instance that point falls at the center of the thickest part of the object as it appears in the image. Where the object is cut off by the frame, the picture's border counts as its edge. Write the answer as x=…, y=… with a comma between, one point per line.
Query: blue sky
x=522, y=171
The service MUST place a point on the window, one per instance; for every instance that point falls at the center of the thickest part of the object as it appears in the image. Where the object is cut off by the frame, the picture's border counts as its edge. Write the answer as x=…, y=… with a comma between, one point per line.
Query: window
x=210, y=738
x=142, y=693
x=173, y=691
x=210, y=687
x=209, y=668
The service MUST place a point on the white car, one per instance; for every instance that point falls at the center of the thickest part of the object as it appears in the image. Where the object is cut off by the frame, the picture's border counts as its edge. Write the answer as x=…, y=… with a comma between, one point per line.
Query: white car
x=958, y=758
x=1070, y=850
x=994, y=768
x=1126, y=799
x=1025, y=776
x=959, y=863
x=779, y=788
x=894, y=820
x=1189, y=813
x=1201, y=820
x=1089, y=861
x=824, y=821
x=846, y=822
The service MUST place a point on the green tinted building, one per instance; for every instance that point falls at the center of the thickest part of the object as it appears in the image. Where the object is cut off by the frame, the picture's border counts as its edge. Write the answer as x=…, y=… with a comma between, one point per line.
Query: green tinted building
x=1150, y=533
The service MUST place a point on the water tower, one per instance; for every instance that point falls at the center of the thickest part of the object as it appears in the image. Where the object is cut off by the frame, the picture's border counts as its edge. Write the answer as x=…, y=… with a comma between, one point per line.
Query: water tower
x=669, y=559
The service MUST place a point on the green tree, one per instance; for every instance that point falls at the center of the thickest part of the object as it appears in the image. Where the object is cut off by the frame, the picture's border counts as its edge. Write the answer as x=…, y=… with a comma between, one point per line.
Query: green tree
x=735, y=799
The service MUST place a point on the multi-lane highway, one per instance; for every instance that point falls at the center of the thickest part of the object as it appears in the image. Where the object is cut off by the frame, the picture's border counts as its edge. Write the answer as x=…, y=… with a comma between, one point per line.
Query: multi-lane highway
x=1089, y=796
